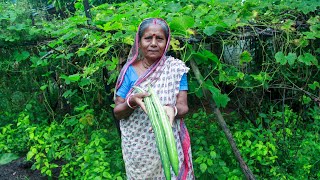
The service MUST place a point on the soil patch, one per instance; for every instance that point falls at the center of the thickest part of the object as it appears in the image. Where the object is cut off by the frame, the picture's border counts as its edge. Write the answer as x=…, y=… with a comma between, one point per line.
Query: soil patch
x=19, y=169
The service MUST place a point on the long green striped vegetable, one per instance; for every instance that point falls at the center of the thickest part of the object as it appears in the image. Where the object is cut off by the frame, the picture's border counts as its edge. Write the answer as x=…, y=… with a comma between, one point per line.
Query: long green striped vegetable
x=166, y=126
x=159, y=134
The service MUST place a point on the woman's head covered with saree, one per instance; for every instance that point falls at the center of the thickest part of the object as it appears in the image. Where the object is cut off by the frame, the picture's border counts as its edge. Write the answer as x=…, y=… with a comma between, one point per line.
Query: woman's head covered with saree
x=136, y=52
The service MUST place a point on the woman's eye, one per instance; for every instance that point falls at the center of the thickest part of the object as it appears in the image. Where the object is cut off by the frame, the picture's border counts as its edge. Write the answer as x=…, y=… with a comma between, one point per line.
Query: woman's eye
x=148, y=37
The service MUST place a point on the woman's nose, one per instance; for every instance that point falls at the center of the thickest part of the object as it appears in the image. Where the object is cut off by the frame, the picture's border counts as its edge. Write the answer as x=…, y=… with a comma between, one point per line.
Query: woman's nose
x=154, y=41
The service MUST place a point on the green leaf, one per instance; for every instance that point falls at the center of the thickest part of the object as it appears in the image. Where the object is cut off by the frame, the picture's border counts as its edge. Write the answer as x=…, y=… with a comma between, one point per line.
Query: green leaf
x=306, y=99
x=213, y=154
x=80, y=108
x=69, y=93
x=225, y=169
x=310, y=35
x=30, y=154
x=199, y=58
x=182, y=24
x=240, y=75
x=308, y=59
x=205, y=55
x=203, y=167
x=82, y=51
x=106, y=175
x=210, y=56
x=84, y=82
x=43, y=87
x=287, y=25
x=7, y=158
x=71, y=78
x=21, y=56
x=280, y=58
x=209, y=30
x=194, y=87
x=36, y=61
x=245, y=57
x=174, y=7
x=314, y=85
x=291, y=58
x=248, y=143
x=230, y=20
x=221, y=100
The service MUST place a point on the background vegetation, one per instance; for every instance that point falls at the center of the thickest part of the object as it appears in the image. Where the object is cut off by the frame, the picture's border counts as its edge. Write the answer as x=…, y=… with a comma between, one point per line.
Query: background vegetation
x=259, y=59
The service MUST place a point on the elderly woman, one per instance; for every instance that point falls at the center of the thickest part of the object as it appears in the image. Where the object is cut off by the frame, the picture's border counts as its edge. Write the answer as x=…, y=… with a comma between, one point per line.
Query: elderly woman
x=148, y=64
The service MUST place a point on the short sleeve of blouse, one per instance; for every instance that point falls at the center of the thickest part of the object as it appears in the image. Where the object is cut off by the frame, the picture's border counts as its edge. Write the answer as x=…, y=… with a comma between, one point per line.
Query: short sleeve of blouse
x=129, y=79
x=184, y=83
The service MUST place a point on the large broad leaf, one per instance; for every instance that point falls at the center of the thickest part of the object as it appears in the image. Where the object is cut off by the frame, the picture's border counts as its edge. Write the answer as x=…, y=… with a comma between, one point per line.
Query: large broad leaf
x=280, y=58
x=7, y=158
x=221, y=100
x=314, y=85
x=199, y=58
x=210, y=30
x=308, y=59
x=195, y=88
x=203, y=167
x=291, y=58
x=181, y=24
x=71, y=78
x=173, y=7
x=205, y=55
x=245, y=57
x=211, y=56
x=21, y=56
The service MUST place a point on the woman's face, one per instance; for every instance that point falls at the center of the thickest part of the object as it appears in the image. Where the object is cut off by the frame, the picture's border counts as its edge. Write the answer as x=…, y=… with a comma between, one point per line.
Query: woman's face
x=153, y=42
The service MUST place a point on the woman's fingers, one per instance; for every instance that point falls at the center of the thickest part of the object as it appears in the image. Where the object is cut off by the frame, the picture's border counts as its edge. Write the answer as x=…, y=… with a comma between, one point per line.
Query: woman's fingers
x=142, y=95
x=138, y=99
x=141, y=104
x=170, y=113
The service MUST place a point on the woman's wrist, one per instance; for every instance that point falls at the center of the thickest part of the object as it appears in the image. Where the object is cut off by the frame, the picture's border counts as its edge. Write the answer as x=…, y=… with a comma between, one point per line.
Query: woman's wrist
x=130, y=104
x=175, y=111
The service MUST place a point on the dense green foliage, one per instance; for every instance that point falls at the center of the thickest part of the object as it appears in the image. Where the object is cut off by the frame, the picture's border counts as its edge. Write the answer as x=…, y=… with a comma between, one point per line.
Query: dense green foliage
x=259, y=60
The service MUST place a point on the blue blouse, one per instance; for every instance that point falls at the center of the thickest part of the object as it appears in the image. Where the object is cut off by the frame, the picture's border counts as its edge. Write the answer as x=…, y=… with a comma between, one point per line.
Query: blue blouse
x=131, y=77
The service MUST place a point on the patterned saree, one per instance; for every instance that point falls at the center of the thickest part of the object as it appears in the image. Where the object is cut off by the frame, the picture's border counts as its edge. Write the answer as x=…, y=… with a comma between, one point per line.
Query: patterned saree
x=140, y=153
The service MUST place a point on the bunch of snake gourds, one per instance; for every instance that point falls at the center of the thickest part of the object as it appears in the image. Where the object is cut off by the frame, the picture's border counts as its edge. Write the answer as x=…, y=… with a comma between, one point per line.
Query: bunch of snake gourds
x=163, y=132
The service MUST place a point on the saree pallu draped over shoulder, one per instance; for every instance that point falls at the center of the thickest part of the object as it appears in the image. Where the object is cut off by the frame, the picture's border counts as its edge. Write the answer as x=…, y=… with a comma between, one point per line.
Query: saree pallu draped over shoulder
x=140, y=153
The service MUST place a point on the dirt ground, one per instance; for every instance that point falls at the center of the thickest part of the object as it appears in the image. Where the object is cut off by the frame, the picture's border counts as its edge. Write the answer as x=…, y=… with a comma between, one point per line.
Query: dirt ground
x=19, y=170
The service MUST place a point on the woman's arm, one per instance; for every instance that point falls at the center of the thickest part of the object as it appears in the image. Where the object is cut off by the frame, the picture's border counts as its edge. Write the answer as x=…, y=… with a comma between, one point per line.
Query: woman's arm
x=182, y=104
x=122, y=110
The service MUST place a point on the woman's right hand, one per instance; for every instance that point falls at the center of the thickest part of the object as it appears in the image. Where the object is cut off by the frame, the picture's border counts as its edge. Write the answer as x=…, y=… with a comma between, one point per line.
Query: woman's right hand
x=122, y=110
x=137, y=100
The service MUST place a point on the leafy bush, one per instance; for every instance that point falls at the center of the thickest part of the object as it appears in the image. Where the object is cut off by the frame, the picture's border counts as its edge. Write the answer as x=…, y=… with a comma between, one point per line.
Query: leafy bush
x=276, y=151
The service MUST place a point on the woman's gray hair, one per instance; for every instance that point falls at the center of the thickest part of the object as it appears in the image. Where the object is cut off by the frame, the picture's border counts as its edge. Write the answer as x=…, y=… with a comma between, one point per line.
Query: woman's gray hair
x=147, y=22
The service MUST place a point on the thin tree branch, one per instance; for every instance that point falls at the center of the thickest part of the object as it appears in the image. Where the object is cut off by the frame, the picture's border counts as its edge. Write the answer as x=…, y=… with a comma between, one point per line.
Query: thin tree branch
x=246, y=170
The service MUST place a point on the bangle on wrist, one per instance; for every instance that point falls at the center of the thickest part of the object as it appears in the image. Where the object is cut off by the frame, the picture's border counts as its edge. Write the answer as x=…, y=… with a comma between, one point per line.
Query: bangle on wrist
x=175, y=110
x=129, y=105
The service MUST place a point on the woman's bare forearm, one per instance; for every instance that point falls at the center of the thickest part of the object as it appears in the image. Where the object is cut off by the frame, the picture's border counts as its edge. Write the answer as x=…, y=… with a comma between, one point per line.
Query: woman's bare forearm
x=182, y=110
x=122, y=111
x=182, y=104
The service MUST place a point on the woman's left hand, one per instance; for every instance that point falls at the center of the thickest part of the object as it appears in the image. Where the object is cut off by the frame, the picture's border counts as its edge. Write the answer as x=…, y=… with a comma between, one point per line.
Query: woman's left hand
x=170, y=112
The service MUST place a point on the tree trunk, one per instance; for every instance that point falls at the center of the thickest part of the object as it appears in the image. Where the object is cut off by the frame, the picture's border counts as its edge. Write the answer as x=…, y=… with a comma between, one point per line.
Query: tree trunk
x=87, y=10
x=247, y=172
